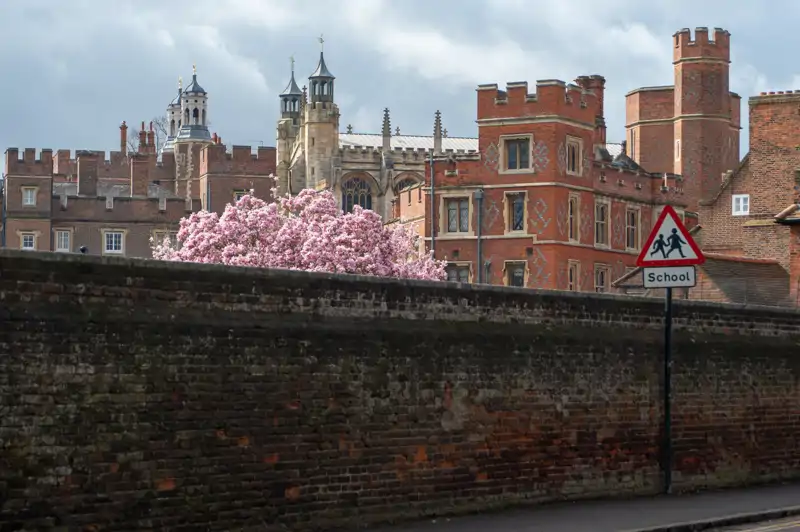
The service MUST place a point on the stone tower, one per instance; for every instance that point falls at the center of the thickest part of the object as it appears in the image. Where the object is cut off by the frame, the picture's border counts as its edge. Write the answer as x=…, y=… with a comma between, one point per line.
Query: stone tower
x=173, y=119
x=320, y=127
x=191, y=137
x=706, y=126
x=292, y=102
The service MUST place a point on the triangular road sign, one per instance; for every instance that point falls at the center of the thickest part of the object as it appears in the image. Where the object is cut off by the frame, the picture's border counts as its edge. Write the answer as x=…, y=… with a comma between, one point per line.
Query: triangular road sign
x=670, y=244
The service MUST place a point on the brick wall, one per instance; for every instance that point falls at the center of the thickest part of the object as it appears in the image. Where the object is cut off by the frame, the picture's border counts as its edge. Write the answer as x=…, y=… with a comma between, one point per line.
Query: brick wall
x=148, y=395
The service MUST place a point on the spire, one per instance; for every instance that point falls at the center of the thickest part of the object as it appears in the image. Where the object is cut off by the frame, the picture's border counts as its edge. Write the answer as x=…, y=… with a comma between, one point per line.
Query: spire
x=322, y=79
x=387, y=131
x=195, y=87
x=192, y=118
x=292, y=89
x=437, y=133
x=291, y=96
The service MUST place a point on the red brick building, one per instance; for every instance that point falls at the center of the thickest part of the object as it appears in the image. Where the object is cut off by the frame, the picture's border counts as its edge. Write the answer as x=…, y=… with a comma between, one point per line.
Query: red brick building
x=690, y=128
x=749, y=221
x=114, y=204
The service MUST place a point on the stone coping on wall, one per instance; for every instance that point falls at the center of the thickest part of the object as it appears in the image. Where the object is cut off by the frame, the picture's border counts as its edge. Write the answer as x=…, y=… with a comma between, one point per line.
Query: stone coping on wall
x=339, y=295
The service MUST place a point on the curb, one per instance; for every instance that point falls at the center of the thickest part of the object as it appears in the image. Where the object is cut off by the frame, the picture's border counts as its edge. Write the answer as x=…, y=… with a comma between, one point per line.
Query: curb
x=729, y=520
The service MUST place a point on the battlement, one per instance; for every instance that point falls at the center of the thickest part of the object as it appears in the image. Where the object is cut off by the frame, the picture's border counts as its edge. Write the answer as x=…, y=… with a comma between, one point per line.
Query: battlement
x=702, y=47
x=552, y=98
x=215, y=159
x=114, y=165
x=776, y=97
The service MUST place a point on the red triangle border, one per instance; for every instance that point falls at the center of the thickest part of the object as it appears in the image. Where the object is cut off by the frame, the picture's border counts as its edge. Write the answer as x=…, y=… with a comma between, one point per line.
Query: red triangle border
x=669, y=211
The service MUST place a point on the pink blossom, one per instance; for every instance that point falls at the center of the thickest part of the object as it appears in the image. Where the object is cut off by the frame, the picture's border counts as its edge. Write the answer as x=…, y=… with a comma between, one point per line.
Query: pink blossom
x=304, y=232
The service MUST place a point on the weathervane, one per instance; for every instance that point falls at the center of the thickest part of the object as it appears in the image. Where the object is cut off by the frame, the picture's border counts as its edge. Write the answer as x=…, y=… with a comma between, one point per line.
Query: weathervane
x=321, y=43
x=180, y=83
x=194, y=70
x=291, y=60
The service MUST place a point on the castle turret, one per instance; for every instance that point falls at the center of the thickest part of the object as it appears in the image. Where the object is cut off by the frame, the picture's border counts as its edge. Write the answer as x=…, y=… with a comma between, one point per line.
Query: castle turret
x=690, y=128
x=321, y=81
x=173, y=119
x=290, y=99
x=292, y=108
x=321, y=127
x=706, y=136
x=194, y=113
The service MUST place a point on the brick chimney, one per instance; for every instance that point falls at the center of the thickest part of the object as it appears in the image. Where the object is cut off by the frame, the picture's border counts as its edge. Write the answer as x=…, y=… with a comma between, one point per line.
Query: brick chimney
x=87, y=173
x=151, y=140
x=123, y=138
x=140, y=174
x=142, y=140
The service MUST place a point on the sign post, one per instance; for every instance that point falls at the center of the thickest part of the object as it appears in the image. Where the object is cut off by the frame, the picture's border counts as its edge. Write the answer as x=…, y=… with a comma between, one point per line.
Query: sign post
x=668, y=260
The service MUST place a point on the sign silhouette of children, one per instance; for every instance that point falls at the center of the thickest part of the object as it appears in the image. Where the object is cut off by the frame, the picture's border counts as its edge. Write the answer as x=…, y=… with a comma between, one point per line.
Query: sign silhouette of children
x=675, y=243
x=659, y=245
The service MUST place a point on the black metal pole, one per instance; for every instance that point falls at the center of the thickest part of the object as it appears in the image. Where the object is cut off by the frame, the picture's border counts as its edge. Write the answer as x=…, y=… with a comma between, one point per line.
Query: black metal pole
x=433, y=209
x=479, y=262
x=667, y=443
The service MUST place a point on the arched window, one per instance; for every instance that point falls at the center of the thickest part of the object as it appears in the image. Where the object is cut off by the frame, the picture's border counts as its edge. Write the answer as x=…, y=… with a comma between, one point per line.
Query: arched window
x=356, y=192
x=406, y=183
x=186, y=117
x=196, y=116
x=172, y=128
x=204, y=117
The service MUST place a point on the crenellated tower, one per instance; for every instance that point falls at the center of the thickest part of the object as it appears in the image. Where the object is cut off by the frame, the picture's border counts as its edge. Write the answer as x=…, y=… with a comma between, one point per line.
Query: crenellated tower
x=321, y=127
x=706, y=125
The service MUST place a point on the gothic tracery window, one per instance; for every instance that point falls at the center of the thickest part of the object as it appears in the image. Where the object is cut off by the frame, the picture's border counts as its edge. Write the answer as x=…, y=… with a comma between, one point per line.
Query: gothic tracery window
x=356, y=191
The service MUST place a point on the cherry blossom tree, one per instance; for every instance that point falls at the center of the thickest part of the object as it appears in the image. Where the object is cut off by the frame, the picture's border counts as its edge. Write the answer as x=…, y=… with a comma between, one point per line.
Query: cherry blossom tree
x=305, y=232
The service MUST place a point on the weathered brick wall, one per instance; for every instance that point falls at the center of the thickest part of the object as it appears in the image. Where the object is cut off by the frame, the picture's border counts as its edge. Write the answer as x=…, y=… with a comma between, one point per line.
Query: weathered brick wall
x=146, y=395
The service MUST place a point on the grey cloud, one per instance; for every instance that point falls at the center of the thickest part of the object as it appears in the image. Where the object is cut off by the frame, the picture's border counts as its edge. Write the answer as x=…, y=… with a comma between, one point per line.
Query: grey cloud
x=73, y=72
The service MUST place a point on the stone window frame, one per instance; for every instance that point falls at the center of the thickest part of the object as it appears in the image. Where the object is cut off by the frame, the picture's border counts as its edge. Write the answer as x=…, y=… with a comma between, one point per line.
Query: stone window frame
x=740, y=211
x=598, y=201
x=574, y=217
x=35, y=192
x=158, y=234
x=605, y=270
x=577, y=144
x=574, y=275
x=677, y=149
x=70, y=232
x=507, y=264
x=33, y=234
x=508, y=205
x=461, y=264
x=444, y=200
x=103, y=241
x=238, y=194
x=502, y=141
x=638, y=228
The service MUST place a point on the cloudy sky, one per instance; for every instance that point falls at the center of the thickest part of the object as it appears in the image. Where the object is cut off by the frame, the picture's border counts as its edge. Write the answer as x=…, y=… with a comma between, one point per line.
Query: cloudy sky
x=73, y=70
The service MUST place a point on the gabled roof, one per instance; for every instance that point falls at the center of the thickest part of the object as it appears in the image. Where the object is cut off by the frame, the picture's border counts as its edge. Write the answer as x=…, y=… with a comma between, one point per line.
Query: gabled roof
x=729, y=179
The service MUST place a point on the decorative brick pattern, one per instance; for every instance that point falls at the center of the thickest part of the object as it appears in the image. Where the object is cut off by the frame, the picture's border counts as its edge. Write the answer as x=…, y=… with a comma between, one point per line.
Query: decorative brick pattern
x=562, y=215
x=540, y=219
x=562, y=158
x=491, y=157
x=537, y=264
x=541, y=157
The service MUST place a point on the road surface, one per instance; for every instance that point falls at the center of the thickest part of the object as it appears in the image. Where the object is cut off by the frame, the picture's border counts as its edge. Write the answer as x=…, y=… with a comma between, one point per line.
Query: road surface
x=782, y=525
